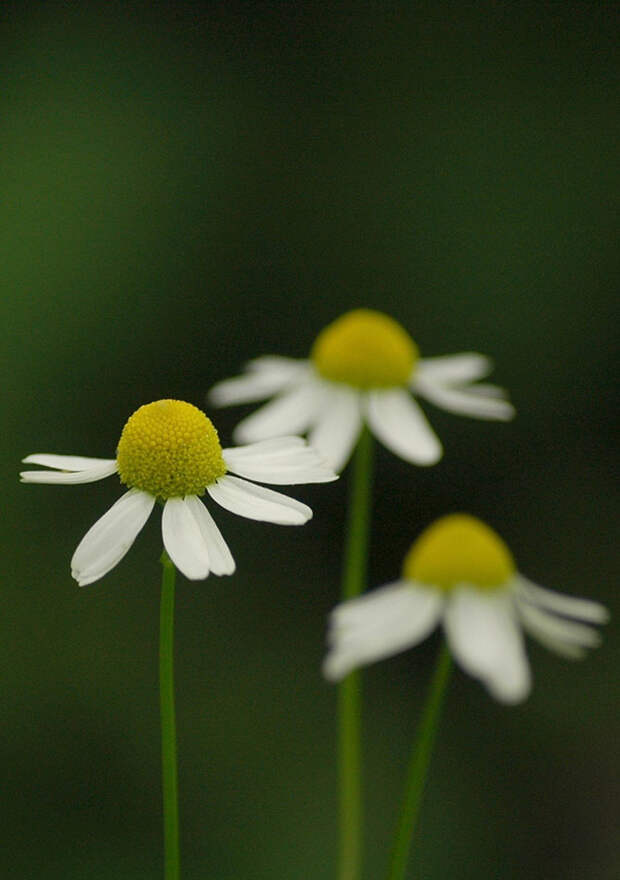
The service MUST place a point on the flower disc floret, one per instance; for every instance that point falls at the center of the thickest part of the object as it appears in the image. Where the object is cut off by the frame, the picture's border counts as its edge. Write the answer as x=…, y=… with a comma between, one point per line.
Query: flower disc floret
x=459, y=549
x=169, y=449
x=366, y=349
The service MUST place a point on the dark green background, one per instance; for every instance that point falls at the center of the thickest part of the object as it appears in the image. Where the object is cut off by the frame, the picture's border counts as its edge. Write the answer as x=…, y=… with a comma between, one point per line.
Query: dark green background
x=187, y=187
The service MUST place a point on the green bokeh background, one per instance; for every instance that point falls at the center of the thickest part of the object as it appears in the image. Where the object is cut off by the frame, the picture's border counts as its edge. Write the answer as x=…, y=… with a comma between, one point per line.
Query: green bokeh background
x=188, y=186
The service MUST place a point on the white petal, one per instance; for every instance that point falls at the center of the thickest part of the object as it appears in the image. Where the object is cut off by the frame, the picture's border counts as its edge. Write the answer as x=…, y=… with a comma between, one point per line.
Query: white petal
x=570, y=606
x=265, y=376
x=380, y=624
x=89, y=471
x=486, y=640
x=337, y=426
x=256, y=502
x=277, y=364
x=556, y=633
x=291, y=413
x=454, y=368
x=220, y=557
x=66, y=462
x=285, y=461
x=183, y=539
x=268, y=448
x=465, y=401
x=109, y=539
x=400, y=424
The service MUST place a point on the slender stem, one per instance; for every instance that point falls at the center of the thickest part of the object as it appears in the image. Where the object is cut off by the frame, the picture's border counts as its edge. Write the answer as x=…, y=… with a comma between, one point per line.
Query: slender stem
x=418, y=766
x=349, y=691
x=168, y=723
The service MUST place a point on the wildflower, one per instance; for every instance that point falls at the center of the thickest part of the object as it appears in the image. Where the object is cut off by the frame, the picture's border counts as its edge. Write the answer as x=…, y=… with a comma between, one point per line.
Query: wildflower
x=362, y=368
x=460, y=573
x=169, y=452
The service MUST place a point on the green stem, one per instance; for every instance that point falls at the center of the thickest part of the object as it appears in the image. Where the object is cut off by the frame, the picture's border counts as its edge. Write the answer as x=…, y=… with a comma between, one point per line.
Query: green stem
x=349, y=691
x=418, y=766
x=168, y=723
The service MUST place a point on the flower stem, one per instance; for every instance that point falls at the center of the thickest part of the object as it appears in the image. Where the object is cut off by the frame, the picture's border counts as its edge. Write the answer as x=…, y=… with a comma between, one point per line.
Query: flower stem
x=168, y=723
x=349, y=691
x=418, y=766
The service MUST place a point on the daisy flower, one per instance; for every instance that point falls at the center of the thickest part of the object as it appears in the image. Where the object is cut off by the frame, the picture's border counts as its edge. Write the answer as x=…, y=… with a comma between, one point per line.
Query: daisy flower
x=461, y=574
x=362, y=368
x=169, y=452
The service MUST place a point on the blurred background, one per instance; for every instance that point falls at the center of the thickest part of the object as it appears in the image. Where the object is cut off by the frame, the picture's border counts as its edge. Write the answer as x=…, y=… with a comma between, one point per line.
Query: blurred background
x=188, y=186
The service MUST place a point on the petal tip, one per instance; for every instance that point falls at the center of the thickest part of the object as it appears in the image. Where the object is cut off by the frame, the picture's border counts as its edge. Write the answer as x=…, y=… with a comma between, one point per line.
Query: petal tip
x=332, y=671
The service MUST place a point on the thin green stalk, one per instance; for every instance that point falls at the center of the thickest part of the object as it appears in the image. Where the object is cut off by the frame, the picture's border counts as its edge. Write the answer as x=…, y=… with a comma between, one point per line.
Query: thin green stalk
x=349, y=691
x=418, y=766
x=168, y=723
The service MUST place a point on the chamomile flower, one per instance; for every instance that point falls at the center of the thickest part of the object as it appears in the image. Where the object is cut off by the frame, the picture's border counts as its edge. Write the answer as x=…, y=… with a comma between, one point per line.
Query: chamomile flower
x=461, y=574
x=362, y=368
x=169, y=452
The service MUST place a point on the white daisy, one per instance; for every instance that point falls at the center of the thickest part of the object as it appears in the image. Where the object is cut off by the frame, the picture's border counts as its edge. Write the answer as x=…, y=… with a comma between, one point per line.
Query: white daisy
x=169, y=452
x=461, y=574
x=362, y=368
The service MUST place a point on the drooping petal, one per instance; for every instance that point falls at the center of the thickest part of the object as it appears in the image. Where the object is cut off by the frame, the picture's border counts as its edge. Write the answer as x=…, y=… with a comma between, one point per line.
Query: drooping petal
x=468, y=401
x=290, y=413
x=285, y=461
x=486, y=640
x=453, y=369
x=569, y=606
x=183, y=539
x=382, y=623
x=68, y=469
x=397, y=420
x=256, y=502
x=565, y=637
x=220, y=557
x=264, y=377
x=109, y=539
x=337, y=426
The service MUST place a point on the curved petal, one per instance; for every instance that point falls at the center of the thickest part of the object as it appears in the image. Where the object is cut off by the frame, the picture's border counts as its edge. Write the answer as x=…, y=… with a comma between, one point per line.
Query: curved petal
x=272, y=447
x=380, y=624
x=290, y=413
x=565, y=637
x=453, y=369
x=183, y=539
x=486, y=640
x=220, y=557
x=264, y=377
x=400, y=424
x=256, y=502
x=570, y=606
x=284, y=461
x=66, y=462
x=109, y=539
x=468, y=401
x=337, y=426
x=68, y=469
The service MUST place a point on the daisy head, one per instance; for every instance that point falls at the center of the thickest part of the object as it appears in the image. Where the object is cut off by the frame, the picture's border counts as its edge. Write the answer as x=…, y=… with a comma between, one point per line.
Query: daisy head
x=461, y=574
x=169, y=452
x=364, y=367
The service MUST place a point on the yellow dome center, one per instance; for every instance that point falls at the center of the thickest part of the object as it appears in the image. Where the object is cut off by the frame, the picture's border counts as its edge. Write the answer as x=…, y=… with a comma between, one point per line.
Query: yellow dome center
x=169, y=449
x=459, y=549
x=366, y=349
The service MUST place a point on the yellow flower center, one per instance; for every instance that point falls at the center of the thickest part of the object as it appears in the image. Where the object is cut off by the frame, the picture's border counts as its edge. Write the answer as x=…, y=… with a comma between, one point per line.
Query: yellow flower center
x=366, y=349
x=459, y=549
x=169, y=449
